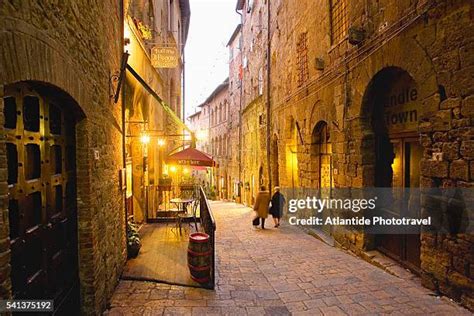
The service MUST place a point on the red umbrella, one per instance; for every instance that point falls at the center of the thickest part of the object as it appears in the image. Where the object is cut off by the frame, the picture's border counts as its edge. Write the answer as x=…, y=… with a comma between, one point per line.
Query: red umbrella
x=191, y=157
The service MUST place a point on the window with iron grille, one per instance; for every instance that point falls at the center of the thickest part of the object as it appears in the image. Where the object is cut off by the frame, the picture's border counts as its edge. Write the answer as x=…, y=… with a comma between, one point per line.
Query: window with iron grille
x=338, y=12
x=302, y=59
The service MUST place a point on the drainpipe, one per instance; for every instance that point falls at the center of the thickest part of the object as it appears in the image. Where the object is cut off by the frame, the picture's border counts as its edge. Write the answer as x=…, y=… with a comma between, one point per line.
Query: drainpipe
x=240, y=105
x=269, y=169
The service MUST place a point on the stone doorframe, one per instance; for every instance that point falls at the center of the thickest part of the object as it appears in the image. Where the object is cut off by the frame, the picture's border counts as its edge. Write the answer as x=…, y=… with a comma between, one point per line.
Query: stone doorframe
x=420, y=69
x=51, y=72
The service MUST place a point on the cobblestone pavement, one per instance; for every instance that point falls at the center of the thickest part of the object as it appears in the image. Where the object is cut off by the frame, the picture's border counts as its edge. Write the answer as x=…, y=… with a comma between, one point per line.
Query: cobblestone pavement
x=280, y=272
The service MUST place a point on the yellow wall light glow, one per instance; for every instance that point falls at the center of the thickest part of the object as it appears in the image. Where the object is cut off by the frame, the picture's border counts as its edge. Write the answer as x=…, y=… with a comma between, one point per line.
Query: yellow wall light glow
x=201, y=135
x=145, y=139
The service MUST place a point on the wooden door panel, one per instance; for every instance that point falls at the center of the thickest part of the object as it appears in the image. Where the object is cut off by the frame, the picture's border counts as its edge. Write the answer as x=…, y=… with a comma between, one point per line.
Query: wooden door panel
x=404, y=248
x=42, y=192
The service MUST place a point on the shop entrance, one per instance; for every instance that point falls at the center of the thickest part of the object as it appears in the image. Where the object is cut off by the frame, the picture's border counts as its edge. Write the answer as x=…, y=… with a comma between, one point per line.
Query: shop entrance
x=398, y=153
x=42, y=209
x=403, y=171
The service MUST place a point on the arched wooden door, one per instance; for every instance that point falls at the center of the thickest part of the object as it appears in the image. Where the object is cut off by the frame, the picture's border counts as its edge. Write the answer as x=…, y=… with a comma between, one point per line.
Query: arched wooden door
x=40, y=143
x=398, y=153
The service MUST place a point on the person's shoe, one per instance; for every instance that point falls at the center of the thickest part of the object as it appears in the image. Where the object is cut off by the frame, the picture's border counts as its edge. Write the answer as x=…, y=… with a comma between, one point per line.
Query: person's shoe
x=276, y=225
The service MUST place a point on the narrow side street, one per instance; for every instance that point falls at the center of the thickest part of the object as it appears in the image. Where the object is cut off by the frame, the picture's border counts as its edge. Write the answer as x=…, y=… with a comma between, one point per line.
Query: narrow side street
x=280, y=272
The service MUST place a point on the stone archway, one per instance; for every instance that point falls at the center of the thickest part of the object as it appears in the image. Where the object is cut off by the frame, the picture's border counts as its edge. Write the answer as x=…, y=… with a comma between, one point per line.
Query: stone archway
x=392, y=112
x=41, y=127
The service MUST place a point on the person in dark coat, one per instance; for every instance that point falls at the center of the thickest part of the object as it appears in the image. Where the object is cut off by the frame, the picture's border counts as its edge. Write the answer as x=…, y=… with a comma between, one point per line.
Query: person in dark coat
x=278, y=202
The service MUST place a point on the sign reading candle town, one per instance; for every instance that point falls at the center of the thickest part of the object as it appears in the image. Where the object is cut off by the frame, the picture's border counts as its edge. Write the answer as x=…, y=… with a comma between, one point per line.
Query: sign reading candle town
x=401, y=106
x=164, y=57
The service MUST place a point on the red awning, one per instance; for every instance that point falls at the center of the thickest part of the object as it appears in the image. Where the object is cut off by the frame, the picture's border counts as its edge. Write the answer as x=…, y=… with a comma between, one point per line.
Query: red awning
x=191, y=157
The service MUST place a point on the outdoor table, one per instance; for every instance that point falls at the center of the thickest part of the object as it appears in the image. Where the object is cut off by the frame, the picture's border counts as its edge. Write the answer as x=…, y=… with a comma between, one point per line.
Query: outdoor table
x=181, y=204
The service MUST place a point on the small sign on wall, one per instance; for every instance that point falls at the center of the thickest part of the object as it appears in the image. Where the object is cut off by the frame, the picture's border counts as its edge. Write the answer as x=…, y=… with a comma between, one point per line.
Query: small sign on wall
x=164, y=57
x=402, y=109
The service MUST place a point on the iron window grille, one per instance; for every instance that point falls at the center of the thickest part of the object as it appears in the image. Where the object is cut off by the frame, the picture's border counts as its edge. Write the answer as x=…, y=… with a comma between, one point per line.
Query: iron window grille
x=338, y=15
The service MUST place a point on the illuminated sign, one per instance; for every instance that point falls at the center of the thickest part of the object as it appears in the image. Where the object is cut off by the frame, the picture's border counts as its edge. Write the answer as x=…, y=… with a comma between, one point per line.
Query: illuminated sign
x=164, y=57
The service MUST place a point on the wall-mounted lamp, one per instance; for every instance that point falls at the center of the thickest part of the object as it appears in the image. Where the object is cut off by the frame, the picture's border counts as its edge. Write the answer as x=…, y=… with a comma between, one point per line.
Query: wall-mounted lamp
x=161, y=142
x=145, y=139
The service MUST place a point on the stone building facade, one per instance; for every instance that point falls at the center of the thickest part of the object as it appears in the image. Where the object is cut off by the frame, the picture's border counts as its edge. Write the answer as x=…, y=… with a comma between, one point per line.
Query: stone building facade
x=167, y=23
x=48, y=62
x=234, y=167
x=62, y=199
x=212, y=122
x=366, y=94
x=254, y=98
x=217, y=122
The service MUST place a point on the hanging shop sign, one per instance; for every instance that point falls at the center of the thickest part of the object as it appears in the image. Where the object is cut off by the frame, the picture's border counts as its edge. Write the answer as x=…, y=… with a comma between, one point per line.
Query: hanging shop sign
x=164, y=57
x=401, y=108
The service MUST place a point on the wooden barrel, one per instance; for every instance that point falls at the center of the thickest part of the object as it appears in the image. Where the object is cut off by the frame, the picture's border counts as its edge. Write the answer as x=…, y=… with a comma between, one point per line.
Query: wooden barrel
x=199, y=257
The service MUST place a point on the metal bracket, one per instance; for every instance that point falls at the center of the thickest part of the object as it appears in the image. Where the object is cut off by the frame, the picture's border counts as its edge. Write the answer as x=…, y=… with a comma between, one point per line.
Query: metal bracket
x=117, y=78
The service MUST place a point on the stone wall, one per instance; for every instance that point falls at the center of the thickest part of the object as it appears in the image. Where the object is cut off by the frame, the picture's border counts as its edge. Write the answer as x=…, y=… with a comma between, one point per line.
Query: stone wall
x=218, y=106
x=234, y=165
x=254, y=104
x=77, y=57
x=314, y=79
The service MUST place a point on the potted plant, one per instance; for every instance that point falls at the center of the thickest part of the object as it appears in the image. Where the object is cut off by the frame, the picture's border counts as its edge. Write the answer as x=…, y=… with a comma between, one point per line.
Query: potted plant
x=133, y=238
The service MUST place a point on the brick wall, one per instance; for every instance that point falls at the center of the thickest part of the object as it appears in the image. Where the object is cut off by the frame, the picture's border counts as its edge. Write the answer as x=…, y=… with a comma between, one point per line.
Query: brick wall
x=78, y=58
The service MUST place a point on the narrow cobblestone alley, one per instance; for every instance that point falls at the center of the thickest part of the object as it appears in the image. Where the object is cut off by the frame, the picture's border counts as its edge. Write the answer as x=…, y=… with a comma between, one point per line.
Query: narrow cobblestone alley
x=279, y=272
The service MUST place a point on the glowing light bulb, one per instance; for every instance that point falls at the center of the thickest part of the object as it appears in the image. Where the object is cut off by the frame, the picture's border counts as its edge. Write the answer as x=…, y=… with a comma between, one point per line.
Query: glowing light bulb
x=145, y=139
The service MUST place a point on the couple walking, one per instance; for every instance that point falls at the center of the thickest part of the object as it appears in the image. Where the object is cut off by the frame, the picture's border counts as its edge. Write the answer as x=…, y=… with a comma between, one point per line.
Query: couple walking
x=263, y=207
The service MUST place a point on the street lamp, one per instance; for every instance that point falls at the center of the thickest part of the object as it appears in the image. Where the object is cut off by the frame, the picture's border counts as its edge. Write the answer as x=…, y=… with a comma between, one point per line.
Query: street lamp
x=201, y=135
